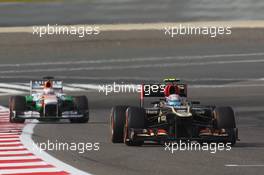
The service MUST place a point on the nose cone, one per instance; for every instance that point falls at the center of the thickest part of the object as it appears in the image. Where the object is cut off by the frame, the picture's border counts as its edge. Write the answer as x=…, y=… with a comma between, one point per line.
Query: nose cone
x=50, y=100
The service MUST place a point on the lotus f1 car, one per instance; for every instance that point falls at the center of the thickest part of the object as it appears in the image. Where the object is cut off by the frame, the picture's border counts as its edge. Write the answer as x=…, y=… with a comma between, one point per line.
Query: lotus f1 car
x=167, y=120
x=48, y=102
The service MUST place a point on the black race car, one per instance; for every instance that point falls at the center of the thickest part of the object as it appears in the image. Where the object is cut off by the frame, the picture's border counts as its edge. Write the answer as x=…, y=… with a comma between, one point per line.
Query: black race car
x=162, y=122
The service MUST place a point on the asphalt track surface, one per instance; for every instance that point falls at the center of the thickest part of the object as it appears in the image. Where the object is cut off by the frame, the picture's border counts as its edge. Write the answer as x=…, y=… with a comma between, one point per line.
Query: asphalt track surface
x=229, y=71
x=127, y=11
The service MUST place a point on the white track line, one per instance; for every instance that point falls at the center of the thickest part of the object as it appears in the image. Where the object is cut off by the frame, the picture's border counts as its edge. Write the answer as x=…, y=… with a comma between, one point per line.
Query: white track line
x=237, y=165
x=26, y=139
x=19, y=158
x=5, y=94
x=82, y=87
x=139, y=66
x=97, y=87
x=22, y=164
x=8, y=143
x=125, y=78
x=2, y=109
x=226, y=86
x=82, y=62
x=86, y=86
x=14, y=152
x=15, y=86
x=11, y=147
x=148, y=26
x=67, y=88
x=10, y=91
x=75, y=87
x=33, y=170
x=9, y=134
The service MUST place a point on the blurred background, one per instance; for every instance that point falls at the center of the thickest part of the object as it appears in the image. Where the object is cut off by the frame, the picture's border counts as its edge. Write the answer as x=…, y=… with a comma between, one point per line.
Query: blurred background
x=42, y=12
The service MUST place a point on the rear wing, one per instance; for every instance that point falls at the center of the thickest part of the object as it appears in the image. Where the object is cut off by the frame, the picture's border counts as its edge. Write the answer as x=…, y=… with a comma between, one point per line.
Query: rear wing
x=162, y=90
x=37, y=86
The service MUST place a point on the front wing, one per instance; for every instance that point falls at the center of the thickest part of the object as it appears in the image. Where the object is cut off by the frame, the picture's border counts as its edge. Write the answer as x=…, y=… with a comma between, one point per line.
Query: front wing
x=145, y=135
x=37, y=115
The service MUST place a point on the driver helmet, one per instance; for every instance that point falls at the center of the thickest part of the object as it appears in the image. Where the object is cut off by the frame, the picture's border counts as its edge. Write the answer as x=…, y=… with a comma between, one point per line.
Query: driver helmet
x=173, y=100
x=48, y=88
x=48, y=84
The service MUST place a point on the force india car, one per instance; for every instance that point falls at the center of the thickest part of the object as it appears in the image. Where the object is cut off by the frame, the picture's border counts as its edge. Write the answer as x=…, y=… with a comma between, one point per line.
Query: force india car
x=48, y=102
x=162, y=123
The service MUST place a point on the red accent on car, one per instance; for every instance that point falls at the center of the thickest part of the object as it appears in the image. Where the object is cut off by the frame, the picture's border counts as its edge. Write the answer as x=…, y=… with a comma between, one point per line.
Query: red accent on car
x=170, y=89
x=162, y=131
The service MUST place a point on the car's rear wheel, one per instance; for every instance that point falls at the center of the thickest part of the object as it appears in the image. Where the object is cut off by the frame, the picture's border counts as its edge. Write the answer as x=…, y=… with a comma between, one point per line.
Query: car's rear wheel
x=117, y=119
x=17, y=105
x=225, y=119
x=135, y=119
x=81, y=105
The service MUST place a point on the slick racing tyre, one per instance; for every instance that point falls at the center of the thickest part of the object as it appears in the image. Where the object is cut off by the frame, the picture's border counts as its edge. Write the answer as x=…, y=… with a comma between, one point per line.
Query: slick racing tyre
x=17, y=105
x=135, y=119
x=117, y=119
x=81, y=105
x=225, y=119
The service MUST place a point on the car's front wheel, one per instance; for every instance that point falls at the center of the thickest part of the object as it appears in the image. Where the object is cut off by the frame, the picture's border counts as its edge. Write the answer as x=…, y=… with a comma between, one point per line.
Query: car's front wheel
x=225, y=119
x=17, y=105
x=117, y=119
x=135, y=119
